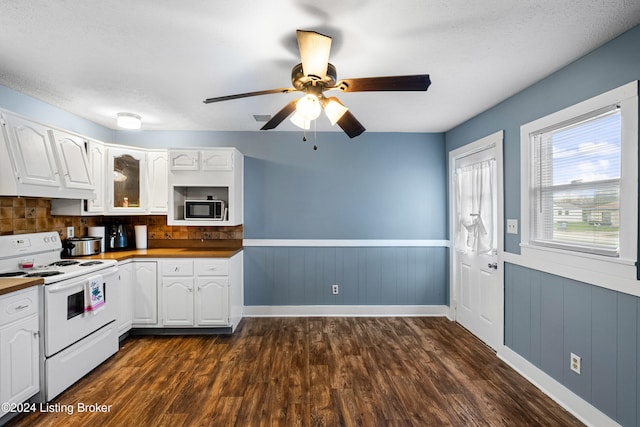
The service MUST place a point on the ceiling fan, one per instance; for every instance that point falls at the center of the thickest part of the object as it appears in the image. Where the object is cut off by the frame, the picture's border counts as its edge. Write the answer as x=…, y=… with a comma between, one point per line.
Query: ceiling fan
x=314, y=75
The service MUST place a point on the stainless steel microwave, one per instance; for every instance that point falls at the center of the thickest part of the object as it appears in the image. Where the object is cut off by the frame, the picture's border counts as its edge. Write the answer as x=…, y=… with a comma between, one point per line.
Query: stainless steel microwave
x=212, y=210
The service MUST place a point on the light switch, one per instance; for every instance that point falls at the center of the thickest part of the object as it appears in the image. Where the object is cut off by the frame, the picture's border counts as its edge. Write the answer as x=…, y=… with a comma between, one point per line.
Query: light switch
x=512, y=226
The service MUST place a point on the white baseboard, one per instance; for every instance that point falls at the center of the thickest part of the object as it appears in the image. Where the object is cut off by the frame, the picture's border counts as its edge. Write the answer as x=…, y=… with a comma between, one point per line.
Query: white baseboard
x=570, y=401
x=345, y=310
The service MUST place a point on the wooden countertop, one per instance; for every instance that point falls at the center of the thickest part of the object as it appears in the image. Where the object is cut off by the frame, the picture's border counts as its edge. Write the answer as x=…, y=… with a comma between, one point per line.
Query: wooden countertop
x=167, y=253
x=12, y=284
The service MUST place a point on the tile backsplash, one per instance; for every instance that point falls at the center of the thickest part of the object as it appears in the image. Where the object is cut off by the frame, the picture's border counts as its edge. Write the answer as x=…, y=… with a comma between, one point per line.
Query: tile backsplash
x=20, y=215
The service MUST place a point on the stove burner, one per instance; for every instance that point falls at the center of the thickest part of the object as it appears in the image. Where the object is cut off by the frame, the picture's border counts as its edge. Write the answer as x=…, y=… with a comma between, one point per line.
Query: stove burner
x=13, y=274
x=88, y=263
x=64, y=263
x=44, y=274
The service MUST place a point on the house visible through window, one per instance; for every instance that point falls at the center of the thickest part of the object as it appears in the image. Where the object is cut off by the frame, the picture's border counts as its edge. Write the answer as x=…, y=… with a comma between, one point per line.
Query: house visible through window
x=576, y=175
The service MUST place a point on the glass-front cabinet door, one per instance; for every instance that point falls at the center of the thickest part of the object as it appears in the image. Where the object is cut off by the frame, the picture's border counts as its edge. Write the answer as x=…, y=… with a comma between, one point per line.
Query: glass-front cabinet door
x=126, y=189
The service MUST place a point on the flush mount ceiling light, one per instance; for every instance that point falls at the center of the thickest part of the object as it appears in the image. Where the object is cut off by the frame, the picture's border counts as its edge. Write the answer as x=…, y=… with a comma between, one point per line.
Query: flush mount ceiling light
x=129, y=121
x=315, y=75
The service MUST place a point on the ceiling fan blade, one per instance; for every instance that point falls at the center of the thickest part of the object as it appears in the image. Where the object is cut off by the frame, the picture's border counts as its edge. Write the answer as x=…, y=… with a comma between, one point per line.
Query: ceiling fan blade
x=314, y=53
x=350, y=125
x=248, y=94
x=416, y=82
x=280, y=115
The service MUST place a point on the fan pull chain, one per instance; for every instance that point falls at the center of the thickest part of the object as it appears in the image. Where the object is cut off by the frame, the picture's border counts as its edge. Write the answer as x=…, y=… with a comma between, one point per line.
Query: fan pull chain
x=315, y=135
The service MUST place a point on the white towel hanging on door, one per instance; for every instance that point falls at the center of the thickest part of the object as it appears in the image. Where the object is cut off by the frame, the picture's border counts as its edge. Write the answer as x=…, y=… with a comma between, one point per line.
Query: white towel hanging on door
x=94, y=294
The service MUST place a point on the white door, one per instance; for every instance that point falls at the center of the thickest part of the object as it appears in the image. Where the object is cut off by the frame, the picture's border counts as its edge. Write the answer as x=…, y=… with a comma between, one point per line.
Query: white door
x=476, y=194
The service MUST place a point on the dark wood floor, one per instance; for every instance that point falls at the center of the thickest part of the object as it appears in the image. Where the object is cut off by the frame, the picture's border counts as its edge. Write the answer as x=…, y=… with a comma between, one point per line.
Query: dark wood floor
x=309, y=372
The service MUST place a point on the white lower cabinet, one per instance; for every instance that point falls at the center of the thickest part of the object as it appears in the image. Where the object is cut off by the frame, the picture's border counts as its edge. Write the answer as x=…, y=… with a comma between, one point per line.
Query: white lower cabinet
x=195, y=292
x=19, y=346
x=145, y=293
x=124, y=295
x=181, y=293
x=212, y=301
x=177, y=294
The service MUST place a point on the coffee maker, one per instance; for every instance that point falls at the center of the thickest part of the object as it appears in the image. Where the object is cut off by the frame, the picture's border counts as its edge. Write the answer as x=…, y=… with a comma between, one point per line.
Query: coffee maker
x=116, y=237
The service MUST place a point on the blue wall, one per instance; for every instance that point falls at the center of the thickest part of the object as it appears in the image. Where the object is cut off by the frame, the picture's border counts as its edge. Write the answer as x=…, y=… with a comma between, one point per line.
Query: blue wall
x=376, y=186
x=370, y=276
x=546, y=316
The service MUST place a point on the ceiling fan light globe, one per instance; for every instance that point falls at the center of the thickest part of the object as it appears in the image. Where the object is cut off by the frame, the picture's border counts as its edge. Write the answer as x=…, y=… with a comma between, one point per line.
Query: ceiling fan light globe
x=300, y=121
x=314, y=53
x=309, y=107
x=334, y=110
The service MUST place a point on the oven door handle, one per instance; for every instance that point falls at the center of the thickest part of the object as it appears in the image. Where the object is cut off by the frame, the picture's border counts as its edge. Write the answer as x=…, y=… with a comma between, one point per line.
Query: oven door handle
x=61, y=286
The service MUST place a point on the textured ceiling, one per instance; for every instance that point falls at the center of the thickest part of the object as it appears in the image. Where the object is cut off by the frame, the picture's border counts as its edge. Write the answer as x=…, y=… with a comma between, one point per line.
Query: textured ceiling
x=160, y=58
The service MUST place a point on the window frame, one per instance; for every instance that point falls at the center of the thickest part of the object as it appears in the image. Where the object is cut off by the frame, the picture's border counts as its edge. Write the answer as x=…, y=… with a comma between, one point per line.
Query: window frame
x=538, y=189
x=626, y=97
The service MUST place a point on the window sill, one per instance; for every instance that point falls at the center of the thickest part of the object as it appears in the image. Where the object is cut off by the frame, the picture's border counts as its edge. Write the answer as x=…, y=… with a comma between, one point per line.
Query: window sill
x=617, y=274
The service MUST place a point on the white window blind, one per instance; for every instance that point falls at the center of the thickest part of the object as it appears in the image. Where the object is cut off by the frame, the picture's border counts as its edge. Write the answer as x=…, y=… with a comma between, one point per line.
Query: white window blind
x=575, y=184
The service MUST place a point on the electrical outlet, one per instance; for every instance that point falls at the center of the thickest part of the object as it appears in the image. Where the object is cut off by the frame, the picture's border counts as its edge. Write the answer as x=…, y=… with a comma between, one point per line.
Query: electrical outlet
x=576, y=362
x=512, y=226
x=70, y=232
x=335, y=289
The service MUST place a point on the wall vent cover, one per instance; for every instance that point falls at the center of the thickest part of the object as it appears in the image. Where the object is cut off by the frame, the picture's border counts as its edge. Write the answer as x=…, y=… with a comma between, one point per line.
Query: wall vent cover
x=262, y=117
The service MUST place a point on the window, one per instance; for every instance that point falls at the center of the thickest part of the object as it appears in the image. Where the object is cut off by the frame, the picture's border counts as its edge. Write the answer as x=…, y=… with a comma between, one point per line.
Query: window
x=576, y=172
x=579, y=178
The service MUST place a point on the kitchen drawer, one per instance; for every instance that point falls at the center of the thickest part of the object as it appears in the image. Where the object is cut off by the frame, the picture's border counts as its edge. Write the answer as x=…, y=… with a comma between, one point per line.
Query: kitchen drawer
x=212, y=267
x=177, y=267
x=18, y=305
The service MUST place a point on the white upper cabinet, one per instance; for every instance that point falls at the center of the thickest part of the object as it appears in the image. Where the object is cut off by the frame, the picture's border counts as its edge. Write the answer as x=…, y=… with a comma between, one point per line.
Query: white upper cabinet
x=32, y=152
x=212, y=173
x=217, y=160
x=126, y=181
x=97, y=163
x=187, y=160
x=45, y=162
x=157, y=181
x=71, y=153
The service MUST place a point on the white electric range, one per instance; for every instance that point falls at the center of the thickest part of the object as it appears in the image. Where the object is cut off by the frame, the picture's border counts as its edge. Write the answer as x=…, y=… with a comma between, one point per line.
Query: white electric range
x=75, y=337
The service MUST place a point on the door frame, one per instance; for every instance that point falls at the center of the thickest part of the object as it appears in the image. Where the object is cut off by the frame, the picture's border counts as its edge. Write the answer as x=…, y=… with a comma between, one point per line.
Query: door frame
x=493, y=140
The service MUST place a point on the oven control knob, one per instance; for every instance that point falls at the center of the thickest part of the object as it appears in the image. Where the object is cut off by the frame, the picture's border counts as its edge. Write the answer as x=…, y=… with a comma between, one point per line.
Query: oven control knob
x=46, y=239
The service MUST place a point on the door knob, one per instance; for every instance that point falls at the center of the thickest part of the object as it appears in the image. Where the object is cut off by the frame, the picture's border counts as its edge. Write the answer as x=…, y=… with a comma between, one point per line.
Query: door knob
x=493, y=265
